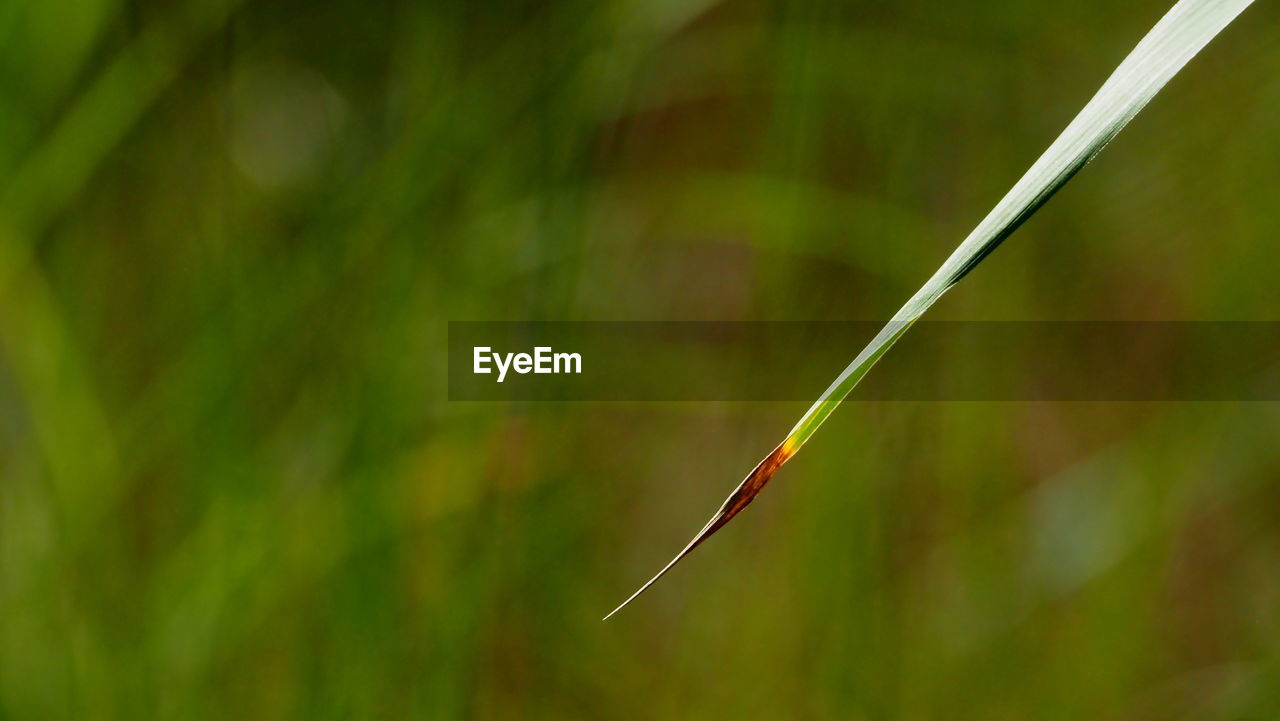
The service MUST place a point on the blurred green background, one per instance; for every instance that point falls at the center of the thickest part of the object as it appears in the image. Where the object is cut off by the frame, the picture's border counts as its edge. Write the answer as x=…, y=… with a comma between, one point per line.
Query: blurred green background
x=231, y=235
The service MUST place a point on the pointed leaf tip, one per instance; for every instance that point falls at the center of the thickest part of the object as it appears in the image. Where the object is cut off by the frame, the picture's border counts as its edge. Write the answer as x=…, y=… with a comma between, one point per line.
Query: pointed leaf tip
x=741, y=497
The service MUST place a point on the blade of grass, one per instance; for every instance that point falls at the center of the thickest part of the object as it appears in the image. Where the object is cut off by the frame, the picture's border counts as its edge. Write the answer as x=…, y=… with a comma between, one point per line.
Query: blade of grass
x=1179, y=35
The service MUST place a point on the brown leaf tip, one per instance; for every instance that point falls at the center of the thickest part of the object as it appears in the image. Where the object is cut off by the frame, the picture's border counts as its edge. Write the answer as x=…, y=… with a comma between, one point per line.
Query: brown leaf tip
x=741, y=497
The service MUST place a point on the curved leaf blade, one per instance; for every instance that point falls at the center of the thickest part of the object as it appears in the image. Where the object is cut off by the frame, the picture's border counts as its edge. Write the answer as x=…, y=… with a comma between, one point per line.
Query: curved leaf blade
x=1169, y=46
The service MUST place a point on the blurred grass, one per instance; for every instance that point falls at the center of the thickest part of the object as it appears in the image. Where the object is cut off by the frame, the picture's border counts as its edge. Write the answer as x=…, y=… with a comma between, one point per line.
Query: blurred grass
x=230, y=235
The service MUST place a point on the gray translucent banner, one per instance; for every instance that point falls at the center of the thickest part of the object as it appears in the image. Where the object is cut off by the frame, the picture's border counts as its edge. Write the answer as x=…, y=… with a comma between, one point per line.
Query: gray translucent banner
x=794, y=361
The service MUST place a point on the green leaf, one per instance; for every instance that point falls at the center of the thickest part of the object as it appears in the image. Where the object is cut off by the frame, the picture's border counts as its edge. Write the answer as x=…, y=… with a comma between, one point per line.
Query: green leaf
x=1179, y=35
